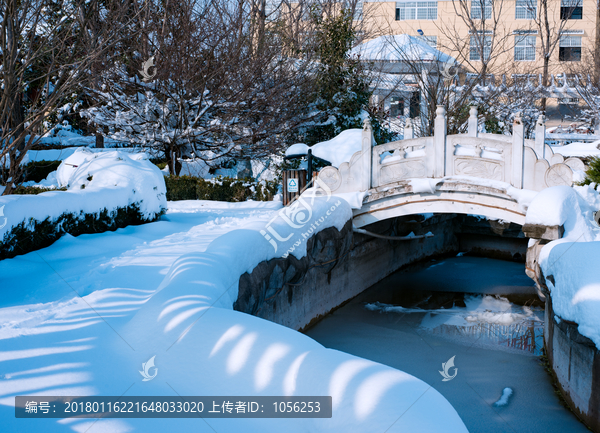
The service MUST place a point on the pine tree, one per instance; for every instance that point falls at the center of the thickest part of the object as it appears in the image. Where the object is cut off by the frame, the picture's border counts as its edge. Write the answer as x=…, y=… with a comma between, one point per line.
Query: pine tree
x=342, y=85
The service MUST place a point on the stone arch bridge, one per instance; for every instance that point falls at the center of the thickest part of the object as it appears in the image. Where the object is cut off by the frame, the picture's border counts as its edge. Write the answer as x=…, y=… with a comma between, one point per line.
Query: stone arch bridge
x=473, y=173
x=482, y=174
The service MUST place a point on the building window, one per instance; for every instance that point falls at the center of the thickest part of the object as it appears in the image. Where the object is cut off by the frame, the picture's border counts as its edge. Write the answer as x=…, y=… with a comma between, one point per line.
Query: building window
x=310, y=8
x=523, y=79
x=481, y=9
x=358, y=11
x=569, y=48
x=524, y=48
x=526, y=9
x=429, y=40
x=414, y=106
x=568, y=101
x=476, y=50
x=416, y=11
x=571, y=9
x=396, y=107
x=478, y=79
x=272, y=9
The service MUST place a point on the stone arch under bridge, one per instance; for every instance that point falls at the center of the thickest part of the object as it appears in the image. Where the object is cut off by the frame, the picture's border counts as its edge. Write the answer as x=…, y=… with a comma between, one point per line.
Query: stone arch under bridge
x=473, y=173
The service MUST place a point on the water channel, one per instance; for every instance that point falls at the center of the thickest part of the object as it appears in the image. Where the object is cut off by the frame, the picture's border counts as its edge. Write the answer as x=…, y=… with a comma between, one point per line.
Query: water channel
x=484, y=313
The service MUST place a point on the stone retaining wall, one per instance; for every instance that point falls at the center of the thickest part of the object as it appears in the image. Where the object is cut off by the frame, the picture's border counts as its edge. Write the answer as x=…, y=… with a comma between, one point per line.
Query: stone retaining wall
x=575, y=361
x=341, y=264
x=573, y=358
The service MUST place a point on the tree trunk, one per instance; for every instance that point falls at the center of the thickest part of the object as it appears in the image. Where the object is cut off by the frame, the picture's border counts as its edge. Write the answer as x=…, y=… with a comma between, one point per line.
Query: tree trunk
x=261, y=18
x=545, y=74
x=169, y=155
x=546, y=50
x=597, y=47
x=15, y=138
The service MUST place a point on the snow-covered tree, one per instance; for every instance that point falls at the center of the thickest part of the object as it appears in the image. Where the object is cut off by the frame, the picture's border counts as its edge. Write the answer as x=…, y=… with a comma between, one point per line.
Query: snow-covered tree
x=342, y=85
x=47, y=49
x=211, y=90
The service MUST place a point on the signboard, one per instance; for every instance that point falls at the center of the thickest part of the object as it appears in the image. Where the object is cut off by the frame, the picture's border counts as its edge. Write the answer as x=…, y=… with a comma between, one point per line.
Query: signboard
x=292, y=185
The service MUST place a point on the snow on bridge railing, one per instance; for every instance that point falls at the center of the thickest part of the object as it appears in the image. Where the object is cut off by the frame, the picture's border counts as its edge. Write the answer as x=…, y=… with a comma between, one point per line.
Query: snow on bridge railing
x=524, y=164
x=558, y=87
x=568, y=137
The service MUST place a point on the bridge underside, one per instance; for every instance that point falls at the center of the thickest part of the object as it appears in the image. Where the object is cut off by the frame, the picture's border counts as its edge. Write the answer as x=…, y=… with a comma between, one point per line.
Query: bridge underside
x=455, y=198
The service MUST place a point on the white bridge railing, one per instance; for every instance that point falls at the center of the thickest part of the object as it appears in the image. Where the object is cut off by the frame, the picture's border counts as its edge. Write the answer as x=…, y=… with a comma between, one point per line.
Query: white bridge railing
x=524, y=164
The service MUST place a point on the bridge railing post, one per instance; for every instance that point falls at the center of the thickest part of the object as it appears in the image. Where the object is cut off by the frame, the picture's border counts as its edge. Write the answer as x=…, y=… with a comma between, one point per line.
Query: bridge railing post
x=409, y=132
x=518, y=144
x=439, y=142
x=540, y=136
x=473, y=122
x=367, y=155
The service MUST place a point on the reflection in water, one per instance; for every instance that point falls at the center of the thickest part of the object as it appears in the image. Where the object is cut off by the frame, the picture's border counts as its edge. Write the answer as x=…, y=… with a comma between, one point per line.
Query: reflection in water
x=527, y=336
x=480, y=320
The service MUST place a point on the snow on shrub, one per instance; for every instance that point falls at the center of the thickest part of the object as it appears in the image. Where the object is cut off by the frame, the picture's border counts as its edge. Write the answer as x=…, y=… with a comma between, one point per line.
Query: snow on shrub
x=592, y=174
x=105, y=191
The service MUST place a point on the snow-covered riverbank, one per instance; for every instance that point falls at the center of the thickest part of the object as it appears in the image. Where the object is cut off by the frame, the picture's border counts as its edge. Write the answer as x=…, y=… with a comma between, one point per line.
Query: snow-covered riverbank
x=81, y=316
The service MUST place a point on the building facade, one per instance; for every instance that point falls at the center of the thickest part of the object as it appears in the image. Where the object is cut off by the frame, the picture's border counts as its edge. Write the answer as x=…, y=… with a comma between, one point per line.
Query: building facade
x=507, y=34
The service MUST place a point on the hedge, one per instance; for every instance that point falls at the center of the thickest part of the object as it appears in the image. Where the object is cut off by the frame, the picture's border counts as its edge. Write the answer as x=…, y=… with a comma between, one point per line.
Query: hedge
x=39, y=170
x=218, y=189
x=159, y=162
x=32, y=190
x=34, y=234
x=592, y=174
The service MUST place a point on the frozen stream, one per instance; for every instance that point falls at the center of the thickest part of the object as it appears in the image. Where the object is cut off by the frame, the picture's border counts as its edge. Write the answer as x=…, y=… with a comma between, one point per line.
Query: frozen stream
x=482, y=312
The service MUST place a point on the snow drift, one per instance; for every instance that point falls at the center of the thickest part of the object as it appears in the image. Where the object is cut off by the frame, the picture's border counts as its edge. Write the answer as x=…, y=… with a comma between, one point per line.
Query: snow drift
x=190, y=323
x=573, y=260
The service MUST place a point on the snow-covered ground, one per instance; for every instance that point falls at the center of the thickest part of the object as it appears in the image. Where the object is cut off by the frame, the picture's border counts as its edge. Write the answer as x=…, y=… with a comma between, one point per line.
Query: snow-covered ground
x=81, y=316
x=62, y=154
x=578, y=149
x=66, y=136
